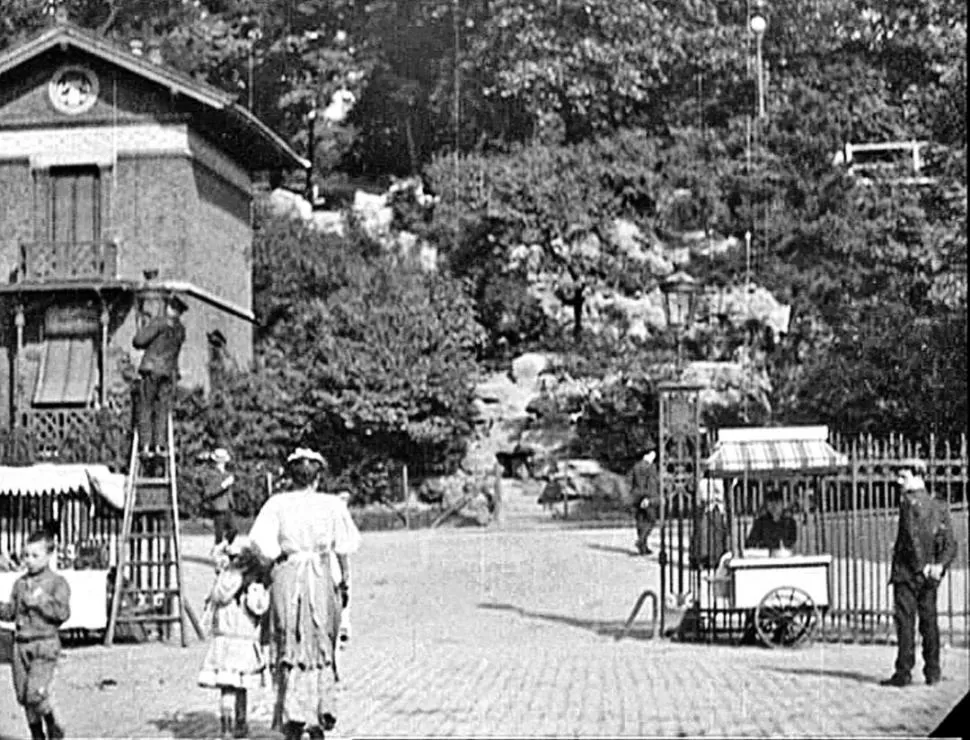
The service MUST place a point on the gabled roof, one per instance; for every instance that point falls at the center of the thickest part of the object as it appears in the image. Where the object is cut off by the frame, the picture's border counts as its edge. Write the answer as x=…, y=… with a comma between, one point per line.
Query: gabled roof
x=278, y=154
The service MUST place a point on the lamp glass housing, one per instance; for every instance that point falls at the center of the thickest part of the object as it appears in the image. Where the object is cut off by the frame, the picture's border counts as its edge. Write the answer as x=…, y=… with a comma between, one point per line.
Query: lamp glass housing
x=679, y=291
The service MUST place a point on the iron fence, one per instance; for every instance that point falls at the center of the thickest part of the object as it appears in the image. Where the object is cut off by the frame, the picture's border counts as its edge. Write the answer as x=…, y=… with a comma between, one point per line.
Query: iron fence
x=851, y=515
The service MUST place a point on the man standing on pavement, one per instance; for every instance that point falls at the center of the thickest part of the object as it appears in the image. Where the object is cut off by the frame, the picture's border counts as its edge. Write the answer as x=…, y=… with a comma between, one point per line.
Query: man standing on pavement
x=645, y=494
x=217, y=495
x=925, y=547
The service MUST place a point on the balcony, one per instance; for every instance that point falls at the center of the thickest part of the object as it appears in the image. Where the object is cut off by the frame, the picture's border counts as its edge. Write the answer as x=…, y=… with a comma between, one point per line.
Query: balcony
x=43, y=262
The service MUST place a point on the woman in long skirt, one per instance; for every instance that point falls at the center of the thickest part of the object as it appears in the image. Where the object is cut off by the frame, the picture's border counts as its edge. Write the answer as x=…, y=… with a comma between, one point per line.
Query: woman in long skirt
x=302, y=530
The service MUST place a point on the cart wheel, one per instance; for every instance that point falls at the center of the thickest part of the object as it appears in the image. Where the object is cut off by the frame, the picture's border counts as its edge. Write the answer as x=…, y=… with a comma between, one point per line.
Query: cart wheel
x=786, y=617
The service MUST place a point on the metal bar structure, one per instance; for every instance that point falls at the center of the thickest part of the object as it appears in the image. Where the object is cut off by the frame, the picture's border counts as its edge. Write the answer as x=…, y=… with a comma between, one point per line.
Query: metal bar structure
x=851, y=514
x=679, y=464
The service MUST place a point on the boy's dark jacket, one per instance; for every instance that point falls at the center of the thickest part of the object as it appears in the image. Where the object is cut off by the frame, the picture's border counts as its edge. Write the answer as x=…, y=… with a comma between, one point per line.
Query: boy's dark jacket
x=43, y=619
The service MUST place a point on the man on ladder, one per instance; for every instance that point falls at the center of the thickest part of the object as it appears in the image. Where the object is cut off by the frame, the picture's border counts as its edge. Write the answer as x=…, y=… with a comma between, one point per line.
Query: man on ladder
x=144, y=594
x=161, y=338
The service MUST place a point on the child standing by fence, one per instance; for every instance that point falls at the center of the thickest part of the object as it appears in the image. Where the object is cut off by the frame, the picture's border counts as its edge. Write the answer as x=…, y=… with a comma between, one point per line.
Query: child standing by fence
x=237, y=602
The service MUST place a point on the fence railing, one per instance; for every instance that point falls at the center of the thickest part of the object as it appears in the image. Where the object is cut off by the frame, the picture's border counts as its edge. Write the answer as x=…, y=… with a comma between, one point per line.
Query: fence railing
x=51, y=260
x=851, y=515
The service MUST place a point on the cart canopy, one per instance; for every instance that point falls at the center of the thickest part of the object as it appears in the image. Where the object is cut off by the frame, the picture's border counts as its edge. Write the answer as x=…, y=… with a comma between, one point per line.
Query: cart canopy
x=51, y=479
x=773, y=451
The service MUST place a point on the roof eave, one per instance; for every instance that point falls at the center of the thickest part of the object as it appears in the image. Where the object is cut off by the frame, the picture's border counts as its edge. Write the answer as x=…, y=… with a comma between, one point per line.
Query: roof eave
x=201, y=92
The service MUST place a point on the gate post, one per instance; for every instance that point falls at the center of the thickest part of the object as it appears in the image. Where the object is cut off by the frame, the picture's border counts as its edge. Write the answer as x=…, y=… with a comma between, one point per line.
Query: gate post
x=678, y=462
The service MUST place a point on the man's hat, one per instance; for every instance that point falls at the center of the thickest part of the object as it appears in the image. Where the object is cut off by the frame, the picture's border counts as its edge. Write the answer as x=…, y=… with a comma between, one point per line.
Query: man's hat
x=220, y=455
x=650, y=445
x=175, y=301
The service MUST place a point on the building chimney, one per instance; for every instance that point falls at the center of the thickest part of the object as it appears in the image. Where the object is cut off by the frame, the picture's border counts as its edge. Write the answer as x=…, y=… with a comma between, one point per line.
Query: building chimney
x=136, y=46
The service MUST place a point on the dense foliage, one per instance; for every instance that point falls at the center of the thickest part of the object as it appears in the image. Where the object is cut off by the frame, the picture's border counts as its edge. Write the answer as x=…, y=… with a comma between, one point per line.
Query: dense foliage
x=362, y=356
x=536, y=123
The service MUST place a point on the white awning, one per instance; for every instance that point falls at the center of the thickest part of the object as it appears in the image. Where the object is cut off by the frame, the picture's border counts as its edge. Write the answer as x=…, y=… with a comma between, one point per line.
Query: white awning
x=775, y=450
x=61, y=480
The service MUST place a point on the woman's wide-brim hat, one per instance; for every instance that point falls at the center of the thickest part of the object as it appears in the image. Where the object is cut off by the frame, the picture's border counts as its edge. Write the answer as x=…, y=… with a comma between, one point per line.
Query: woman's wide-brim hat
x=220, y=455
x=305, y=453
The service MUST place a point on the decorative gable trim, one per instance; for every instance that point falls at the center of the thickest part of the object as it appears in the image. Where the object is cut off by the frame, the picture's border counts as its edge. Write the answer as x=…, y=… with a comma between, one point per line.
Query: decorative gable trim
x=206, y=95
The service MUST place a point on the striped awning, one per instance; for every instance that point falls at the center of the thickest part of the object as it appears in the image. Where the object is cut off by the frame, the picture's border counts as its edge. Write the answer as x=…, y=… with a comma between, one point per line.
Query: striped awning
x=773, y=450
x=52, y=479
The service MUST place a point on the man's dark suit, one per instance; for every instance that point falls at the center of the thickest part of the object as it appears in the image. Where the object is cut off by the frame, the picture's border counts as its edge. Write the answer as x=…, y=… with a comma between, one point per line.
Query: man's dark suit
x=925, y=537
x=162, y=339
x=644, y=487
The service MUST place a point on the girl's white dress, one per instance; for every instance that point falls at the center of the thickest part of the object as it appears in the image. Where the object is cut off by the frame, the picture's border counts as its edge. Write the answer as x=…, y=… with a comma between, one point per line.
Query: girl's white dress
x=236, y=657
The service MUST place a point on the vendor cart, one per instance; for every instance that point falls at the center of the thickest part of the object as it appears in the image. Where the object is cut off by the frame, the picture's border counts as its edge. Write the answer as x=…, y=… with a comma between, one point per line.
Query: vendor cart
x=81, y=505
x=778, y=597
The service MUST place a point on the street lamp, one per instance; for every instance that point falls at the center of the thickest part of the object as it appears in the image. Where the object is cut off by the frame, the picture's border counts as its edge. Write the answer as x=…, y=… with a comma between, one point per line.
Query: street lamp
x=679, y=292
x=758, y=26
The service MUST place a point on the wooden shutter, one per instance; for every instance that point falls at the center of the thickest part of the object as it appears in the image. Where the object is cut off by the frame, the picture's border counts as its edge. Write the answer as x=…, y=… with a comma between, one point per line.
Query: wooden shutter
x=75, y=213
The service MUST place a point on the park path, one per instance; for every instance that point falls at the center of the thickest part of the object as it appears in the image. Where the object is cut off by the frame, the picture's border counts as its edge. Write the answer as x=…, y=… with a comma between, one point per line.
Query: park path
x=461, y=632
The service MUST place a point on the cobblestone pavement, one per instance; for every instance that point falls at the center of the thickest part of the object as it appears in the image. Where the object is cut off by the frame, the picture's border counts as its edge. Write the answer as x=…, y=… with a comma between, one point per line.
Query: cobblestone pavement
x=470, y=632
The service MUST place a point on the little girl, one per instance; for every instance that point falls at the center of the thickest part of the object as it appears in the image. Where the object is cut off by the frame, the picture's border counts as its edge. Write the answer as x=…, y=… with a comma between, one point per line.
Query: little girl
x=238, y=601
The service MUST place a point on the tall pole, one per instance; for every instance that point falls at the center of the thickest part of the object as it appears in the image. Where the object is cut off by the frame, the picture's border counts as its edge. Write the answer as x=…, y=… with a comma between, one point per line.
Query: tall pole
x=761, y=75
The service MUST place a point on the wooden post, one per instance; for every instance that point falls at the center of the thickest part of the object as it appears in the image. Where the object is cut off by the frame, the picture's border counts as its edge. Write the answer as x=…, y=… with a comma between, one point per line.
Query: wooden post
x=103, y=385
x=407, y=504
x=19, y=322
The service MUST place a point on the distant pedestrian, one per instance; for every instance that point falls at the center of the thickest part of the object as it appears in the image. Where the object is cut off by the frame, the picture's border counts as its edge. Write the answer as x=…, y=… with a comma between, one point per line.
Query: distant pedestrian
x=237, y=602
x=925, y=548
x=709, y=538
x=645, y=495
x=217, y=498
x=161, y=338
x=40, y=603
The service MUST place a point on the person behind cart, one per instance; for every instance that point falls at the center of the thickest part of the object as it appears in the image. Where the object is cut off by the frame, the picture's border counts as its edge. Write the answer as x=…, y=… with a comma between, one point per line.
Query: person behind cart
x=774, y=530
x=161, y=338
x=217, y=498
x=709, y=537
x=925, y=548
x=645, y=495
x=40, y=603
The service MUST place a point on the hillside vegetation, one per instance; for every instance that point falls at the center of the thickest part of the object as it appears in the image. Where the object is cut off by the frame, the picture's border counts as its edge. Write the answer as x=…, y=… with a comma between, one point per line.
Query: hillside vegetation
x=536, y=124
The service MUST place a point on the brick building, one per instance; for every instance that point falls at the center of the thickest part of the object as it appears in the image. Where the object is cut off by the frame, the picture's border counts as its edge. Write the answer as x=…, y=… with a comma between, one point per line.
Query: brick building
x=113, y=166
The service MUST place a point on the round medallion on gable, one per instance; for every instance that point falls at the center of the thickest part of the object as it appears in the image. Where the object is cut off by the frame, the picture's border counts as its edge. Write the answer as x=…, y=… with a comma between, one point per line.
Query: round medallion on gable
x=73, y=89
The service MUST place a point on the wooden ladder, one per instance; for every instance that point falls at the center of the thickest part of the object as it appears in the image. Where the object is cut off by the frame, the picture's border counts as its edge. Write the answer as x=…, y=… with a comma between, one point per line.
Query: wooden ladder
x=150, y=554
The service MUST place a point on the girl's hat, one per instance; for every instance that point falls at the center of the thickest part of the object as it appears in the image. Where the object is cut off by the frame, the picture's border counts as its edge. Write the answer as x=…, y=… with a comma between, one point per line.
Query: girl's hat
x=220, y=455
x=239, y=543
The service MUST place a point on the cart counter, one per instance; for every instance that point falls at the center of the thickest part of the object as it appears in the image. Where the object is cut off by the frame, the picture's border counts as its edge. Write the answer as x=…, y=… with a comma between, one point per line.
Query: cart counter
x=752, y=578
x=89, y=598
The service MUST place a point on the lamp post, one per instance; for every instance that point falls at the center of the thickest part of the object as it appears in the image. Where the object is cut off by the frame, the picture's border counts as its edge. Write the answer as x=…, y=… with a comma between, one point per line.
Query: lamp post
x=311, y=118
x=679, y=292
x=758, y=26
x=678, y=440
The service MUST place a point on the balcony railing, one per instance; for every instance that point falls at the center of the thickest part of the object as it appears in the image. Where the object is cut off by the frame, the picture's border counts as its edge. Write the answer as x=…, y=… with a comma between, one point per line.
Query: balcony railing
x=48, y=261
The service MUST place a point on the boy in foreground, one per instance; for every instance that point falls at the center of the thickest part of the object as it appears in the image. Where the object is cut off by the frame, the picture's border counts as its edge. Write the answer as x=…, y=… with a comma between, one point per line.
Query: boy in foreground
x=39, y=604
